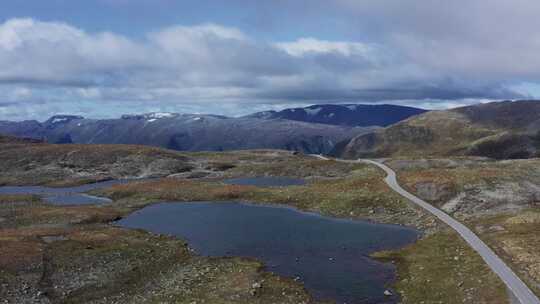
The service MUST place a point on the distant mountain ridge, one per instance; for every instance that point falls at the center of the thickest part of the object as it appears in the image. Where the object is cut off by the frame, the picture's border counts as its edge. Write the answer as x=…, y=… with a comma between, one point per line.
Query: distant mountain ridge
x=501, y=130
x=186, y=132
x=362, y=115
x=314, y=129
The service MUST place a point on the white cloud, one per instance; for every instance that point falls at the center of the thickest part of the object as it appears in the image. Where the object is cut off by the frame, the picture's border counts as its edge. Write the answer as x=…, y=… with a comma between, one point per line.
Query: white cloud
x=212, y=68
x=21, y=93
x=89, y=93
x=305, y=46
x=49, y=52
x=15, y=33
x=494, y=40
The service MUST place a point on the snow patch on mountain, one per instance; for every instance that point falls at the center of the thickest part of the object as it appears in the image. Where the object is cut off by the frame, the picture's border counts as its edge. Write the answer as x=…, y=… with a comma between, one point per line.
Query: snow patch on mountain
x=150, y=116
x=313, y=111
x=346, y=114
x=59, y=120
x=159, y=115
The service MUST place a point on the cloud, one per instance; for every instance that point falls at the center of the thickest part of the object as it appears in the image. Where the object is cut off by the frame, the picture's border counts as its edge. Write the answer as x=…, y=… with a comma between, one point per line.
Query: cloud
x=33, y=52
x=214, y=68
x=495, y=40
x=304, y=46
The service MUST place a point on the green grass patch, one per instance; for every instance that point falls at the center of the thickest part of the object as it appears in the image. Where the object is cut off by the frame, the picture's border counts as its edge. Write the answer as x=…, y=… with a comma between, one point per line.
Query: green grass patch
x=442, y=268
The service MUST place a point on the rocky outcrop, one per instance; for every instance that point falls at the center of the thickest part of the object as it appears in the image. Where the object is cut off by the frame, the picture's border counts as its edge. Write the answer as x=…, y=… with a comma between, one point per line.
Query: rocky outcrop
x=23, y=162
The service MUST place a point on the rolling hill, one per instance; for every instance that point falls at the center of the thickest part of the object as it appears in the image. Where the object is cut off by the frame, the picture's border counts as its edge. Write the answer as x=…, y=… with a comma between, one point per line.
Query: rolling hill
x=30, y=162
x=501, y=130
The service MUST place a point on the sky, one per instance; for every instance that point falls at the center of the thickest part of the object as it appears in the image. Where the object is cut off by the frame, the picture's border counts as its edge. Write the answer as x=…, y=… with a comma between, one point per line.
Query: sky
x=104, y=58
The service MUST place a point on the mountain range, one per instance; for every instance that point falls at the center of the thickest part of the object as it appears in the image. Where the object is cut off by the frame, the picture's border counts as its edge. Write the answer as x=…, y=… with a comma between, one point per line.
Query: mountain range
x=194, y=132
x=500, y=130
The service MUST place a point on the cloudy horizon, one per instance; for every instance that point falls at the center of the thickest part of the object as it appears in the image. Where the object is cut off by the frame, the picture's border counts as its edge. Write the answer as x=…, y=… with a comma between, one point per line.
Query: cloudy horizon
x=104, y=58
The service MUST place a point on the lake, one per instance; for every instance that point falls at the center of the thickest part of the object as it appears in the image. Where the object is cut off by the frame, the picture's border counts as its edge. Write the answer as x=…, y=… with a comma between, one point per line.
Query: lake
x=65, y=195
x=330, y=256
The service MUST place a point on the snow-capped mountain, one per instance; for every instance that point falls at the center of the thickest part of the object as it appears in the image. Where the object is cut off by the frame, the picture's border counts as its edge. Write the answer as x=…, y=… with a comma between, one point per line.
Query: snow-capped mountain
x=187, y=132
x=344, y=115
x=61, y=119
x=150, y=116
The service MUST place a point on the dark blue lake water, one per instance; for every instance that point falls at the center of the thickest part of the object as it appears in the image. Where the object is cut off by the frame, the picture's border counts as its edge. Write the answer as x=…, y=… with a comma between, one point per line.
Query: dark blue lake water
x=65, y=195
x=267, y=181
x=330, y=256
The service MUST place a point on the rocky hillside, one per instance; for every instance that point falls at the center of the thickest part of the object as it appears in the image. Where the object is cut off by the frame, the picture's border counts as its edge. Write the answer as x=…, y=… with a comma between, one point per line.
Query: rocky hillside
x=497, y=199
x=345, y=115
x=501, y=130
x=187, y=132
x=31, y=162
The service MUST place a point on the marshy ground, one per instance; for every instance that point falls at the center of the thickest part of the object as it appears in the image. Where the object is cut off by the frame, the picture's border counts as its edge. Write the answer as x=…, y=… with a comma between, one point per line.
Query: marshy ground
x=72, y=254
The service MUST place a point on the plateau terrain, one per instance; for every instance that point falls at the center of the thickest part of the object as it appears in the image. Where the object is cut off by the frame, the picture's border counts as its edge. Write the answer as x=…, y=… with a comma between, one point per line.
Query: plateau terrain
x=75, y=253
x=269, y=152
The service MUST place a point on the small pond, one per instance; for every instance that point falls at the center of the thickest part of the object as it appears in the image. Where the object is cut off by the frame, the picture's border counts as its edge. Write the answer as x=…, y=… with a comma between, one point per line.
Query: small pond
x=65, y=195
x=267, y=181
x=330, y=256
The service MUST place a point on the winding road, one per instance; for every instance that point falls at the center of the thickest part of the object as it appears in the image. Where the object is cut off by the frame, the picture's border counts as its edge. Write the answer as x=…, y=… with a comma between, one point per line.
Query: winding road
x=519, y=289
